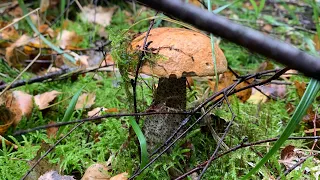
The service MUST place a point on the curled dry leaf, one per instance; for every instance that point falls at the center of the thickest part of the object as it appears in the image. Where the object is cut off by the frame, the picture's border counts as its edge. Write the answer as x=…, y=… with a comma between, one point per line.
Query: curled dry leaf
x=96, y=111
x=98, y=15
x=10, y=33
x=6, y=119
x=52, y=131
x=54, y=175
x=68, y=39
x=226, y=79
x=20, y=104
x=300, y=87
x=257, y=97
x=122, y=176
x=43, y=100
x=44, y=5
x=290, y=156
x=195, y=2
x=45, y=29
x=86, y=100
x=14, y=57
x=96, y=171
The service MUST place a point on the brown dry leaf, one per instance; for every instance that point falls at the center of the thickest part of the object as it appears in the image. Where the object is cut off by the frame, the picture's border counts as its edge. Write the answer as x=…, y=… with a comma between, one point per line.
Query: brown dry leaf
x=189, y=82
x=86, y=100
x=290, y=156
x=267, y=28
x=108, y=110
x=68, y=38
x=43, y=100
x=195, y=2
x=96, y=111
x=54, y=175
x=257, y=97
x=98, y=15
x=288, y=74
x=96, y=171
x=45, y=29
x=52, y=131
x=316, y=41
x=6, y=118
x=15, y=10
x=13, y=56
x=266, y=65
x=44, y=4
x=10, y=33
x=300, y=87
x=20, y=104
x=226, y=79
x=122, y=176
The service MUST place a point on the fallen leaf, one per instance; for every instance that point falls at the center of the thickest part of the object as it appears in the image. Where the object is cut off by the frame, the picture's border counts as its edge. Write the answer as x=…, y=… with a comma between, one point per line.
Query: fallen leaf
x=68, y=38
x=54, y=175
x=6, y=119
x=9, y=33
x=45, y=29
x=14, y=57
x=96, y=171
x=290, y=156
x=52, y=131
x=195, y=2
x=316, y=41
x=288, y=74
x=257, y=97
x=300, y=87
x=122, y=176
x=86, y=100
x=266, y=65
x=226, y=79
x=20, y=104
x=267, y=28
x=97, y=14
x=44, y=4
x=43, y=100
x=111, y=110
x=96, y=112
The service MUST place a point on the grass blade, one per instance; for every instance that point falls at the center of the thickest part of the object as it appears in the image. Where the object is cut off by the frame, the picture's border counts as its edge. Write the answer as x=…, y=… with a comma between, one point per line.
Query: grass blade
x=142, y=142
x=218, y=10
x=68, y=114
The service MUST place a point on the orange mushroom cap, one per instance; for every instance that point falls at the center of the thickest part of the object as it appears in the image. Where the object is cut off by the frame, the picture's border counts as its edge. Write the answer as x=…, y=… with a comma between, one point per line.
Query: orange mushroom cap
x=182, y=53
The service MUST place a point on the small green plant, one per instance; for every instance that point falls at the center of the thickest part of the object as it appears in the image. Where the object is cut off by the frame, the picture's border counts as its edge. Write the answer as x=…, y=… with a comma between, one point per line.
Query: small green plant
x=258, y=9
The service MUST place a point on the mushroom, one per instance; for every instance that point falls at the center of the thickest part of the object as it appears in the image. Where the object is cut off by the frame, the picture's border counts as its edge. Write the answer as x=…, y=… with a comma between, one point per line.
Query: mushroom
x=182, y=53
